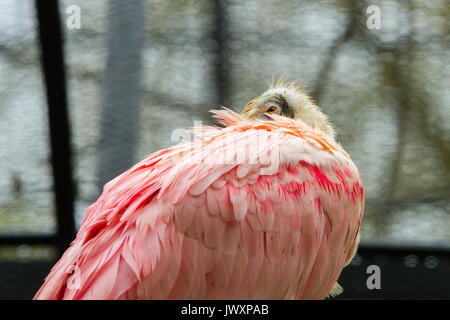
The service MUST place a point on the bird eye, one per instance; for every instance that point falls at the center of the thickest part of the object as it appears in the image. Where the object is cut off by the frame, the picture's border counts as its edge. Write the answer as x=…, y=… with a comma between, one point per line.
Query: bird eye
x=272, y=109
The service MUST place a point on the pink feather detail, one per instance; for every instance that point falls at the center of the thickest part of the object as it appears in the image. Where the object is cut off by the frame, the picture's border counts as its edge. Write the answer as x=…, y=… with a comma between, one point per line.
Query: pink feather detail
x=174, y=228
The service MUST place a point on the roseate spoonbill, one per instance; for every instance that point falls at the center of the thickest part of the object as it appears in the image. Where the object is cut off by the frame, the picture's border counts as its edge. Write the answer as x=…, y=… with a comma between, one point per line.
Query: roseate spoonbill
x=266, y=207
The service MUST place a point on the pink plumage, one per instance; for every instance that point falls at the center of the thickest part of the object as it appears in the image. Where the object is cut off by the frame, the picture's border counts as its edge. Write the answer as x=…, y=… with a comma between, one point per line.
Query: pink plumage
x=253, y=210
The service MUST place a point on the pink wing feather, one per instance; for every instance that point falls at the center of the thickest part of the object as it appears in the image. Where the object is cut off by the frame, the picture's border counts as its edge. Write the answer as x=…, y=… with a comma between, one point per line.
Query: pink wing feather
x=183, y=225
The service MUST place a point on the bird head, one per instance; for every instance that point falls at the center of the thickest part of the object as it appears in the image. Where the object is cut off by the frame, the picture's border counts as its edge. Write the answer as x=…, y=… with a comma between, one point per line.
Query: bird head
x=288, y=100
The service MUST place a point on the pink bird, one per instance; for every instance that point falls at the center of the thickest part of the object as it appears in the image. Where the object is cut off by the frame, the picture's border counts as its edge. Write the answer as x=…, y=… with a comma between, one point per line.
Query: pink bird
x=266, y=207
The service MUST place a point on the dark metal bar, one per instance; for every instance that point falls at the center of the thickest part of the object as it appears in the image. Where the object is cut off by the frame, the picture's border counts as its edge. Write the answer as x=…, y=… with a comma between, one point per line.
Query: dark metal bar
x=222, y=67
x=407, y=272
x=52, y=58
x=28, y=239
x=402, y=247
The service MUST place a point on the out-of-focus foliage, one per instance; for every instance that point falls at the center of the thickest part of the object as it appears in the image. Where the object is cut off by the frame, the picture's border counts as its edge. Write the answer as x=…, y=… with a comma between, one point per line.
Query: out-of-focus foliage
x=26, y=202
x=386, y=92
x=26, y=252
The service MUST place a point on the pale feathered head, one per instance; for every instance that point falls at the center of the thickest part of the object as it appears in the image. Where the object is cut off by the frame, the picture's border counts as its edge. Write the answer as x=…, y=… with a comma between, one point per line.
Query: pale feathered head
x=289, y=100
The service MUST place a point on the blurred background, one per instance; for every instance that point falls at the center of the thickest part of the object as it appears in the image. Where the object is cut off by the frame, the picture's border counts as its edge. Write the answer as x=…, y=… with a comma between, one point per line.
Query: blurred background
x=80, y=103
